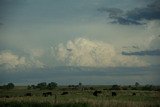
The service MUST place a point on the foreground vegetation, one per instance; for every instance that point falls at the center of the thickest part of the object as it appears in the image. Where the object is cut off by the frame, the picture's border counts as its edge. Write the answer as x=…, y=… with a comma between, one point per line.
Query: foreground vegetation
x=87, y=103
x=80, y=96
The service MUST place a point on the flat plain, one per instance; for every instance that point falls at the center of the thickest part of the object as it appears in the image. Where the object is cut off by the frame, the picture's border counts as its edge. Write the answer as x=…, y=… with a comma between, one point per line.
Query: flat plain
x=80, y=97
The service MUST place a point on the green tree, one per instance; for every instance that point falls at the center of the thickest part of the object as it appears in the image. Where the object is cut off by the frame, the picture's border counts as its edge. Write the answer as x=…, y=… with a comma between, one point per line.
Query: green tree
x=137, y=84
x=29, y=87
x=9, y=86
x=80, y=84
x=52, y=85
x=42, y=85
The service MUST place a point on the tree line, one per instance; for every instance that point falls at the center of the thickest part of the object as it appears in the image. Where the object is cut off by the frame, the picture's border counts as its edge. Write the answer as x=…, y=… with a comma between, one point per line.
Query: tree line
x=8, y=86
x=53, y=85
x=43, y=85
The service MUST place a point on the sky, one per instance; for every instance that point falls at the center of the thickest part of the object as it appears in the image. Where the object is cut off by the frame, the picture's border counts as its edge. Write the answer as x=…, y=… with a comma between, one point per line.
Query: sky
x=96, y=42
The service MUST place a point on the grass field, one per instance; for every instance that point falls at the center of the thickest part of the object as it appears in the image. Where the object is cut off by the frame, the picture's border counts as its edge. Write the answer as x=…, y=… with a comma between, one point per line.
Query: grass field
x=78, y=98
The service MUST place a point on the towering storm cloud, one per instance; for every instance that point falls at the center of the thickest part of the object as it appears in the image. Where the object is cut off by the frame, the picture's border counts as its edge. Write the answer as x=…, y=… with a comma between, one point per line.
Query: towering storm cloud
x=85, y=52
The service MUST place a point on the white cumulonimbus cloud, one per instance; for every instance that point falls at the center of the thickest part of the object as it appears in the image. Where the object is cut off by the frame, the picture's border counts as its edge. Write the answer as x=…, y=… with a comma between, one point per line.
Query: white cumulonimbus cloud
x=154, y=42
x=11, y=60
x=153, y=29
x=85, y=52
x=8, y=60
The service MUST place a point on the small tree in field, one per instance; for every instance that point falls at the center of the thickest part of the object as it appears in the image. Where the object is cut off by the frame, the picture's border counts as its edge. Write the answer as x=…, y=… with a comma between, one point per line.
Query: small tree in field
x=52, y=85
x=42, y=85
x=137, y=84
x=80, y=84
x=29, y=87
x=9, y=86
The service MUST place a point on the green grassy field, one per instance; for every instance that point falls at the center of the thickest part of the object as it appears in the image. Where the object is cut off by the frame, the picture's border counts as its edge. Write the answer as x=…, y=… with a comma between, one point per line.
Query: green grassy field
x=78, y=98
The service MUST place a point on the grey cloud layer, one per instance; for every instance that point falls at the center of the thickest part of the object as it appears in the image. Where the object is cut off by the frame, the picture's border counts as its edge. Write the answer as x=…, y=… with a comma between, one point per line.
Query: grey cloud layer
x=72, y=75
x=1, y=24
x=119, y=16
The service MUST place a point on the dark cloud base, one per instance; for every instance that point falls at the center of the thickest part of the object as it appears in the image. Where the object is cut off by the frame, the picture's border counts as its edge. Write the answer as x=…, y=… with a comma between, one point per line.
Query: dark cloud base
x=86, y=75
x=143, y=53
x=151, y=12
x=124, y=21
x=135, y=16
